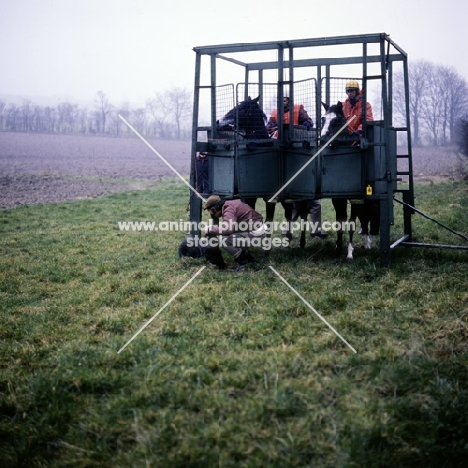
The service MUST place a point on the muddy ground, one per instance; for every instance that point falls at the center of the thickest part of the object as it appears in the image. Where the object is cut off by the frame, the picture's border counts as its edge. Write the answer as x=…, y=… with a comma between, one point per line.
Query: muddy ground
x=36, y=168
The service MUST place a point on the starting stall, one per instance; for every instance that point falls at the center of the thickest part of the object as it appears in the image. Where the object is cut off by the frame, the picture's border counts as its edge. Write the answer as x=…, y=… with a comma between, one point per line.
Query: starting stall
x=309, y=72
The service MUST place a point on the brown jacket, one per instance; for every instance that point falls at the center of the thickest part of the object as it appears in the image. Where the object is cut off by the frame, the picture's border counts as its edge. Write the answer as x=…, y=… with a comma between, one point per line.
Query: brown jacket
x=237, y=217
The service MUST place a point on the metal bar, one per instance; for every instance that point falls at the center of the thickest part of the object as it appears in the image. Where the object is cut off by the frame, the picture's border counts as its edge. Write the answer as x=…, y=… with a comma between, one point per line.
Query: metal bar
x=195, y=206
x=213, y=94
x=399, y=241
x=315, y=42
x=246, y=85
x=260, y=87
x=292, y=99
x=313, y=62
x=431, y=219
x=408, y=131
x=229, y=59
x=280, y=96
x=397, y=47
x=318, y=122
x=386, y=205
x=437, y=246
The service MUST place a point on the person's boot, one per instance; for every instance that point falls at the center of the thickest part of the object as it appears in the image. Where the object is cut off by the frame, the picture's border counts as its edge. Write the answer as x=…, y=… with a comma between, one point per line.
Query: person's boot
x=251, y=258
x=241, y=261
x=214, y=256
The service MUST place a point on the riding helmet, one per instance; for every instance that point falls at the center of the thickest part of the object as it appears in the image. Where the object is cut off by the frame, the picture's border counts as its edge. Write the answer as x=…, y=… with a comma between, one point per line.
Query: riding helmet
x=352, y=84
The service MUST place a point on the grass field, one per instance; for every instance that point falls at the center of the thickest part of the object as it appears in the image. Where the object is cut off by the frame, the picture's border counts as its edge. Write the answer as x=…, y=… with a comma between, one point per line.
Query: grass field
x=236, y=371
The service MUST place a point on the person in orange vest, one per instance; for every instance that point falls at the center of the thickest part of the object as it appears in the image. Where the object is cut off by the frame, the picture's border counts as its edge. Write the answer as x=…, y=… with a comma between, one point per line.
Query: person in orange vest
x=367, y=211
x=300, y=117
x=353, y=107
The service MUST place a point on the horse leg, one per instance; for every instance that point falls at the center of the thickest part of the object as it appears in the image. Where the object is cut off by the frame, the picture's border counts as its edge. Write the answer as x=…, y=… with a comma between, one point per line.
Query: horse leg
x=270, y=214
x=302, y=241
x=299, y=211
x=288, y=214
x=270, y=211
x=250, y=201
x=365, y=217
x=356, y=213
x=302, y=214
x=351, y=224
x=372, y=208
x=340, y=205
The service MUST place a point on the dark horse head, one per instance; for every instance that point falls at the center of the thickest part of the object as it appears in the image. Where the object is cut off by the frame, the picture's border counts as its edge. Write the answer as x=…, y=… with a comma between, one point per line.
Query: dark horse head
x=332, y=121
x=247, y=119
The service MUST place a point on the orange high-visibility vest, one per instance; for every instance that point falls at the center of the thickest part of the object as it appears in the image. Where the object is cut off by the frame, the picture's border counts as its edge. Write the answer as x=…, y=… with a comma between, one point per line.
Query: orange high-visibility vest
x=297, y=108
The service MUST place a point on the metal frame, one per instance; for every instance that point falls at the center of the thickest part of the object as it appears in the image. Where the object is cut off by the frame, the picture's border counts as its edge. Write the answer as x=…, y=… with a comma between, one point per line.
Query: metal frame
x=377, y=153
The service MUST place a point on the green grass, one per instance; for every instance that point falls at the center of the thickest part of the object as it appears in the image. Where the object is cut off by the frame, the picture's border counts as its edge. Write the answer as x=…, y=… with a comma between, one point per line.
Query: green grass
x=236, y=371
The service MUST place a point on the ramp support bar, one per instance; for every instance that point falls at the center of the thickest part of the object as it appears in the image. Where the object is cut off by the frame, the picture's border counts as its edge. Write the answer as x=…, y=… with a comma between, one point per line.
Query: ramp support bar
x=399, y=241
x=432, y=219
x=437, y=246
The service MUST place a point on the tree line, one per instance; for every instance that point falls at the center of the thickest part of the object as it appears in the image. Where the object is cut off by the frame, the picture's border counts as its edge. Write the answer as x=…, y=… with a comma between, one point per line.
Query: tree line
x=167, y=115
x=438, y=111
x=438, y=103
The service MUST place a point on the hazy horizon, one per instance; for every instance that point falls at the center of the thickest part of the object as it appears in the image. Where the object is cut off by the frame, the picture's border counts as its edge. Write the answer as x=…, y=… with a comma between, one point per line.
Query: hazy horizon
x=130, y=50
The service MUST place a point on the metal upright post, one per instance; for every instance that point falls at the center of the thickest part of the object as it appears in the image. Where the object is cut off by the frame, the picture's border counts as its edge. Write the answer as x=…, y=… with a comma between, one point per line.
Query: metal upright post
x=195, y=206
x=386, y=199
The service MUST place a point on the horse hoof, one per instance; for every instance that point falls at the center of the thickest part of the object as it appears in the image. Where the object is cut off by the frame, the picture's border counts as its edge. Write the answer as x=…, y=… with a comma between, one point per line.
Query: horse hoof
x=350, y=252
x=368, y=242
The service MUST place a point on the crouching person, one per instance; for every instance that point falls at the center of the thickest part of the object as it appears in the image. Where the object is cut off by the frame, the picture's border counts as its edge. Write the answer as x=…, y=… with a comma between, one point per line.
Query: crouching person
x=241, y=227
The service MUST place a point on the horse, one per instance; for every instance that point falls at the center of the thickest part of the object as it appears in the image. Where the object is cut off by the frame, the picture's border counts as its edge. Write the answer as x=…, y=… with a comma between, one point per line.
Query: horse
x=247, y=119
x=332, y=121
x=367, y=211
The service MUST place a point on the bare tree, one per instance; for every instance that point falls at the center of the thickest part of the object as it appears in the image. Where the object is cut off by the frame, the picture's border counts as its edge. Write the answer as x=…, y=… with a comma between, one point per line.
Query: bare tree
x=104, y=108
x=418, y=77
x=12, y=117
x=438, y=97
x=138, y=119
x=157, y=111
x=50, y=118
x=456, y=89
x=82, y=118
x=124, y=111
x=26, y=111
x=180, y=101
x=67, y=113
x=38, y=119
x=432, y=102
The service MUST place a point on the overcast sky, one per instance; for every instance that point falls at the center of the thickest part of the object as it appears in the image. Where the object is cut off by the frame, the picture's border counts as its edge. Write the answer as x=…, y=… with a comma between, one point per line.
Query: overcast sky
x=131, y=48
